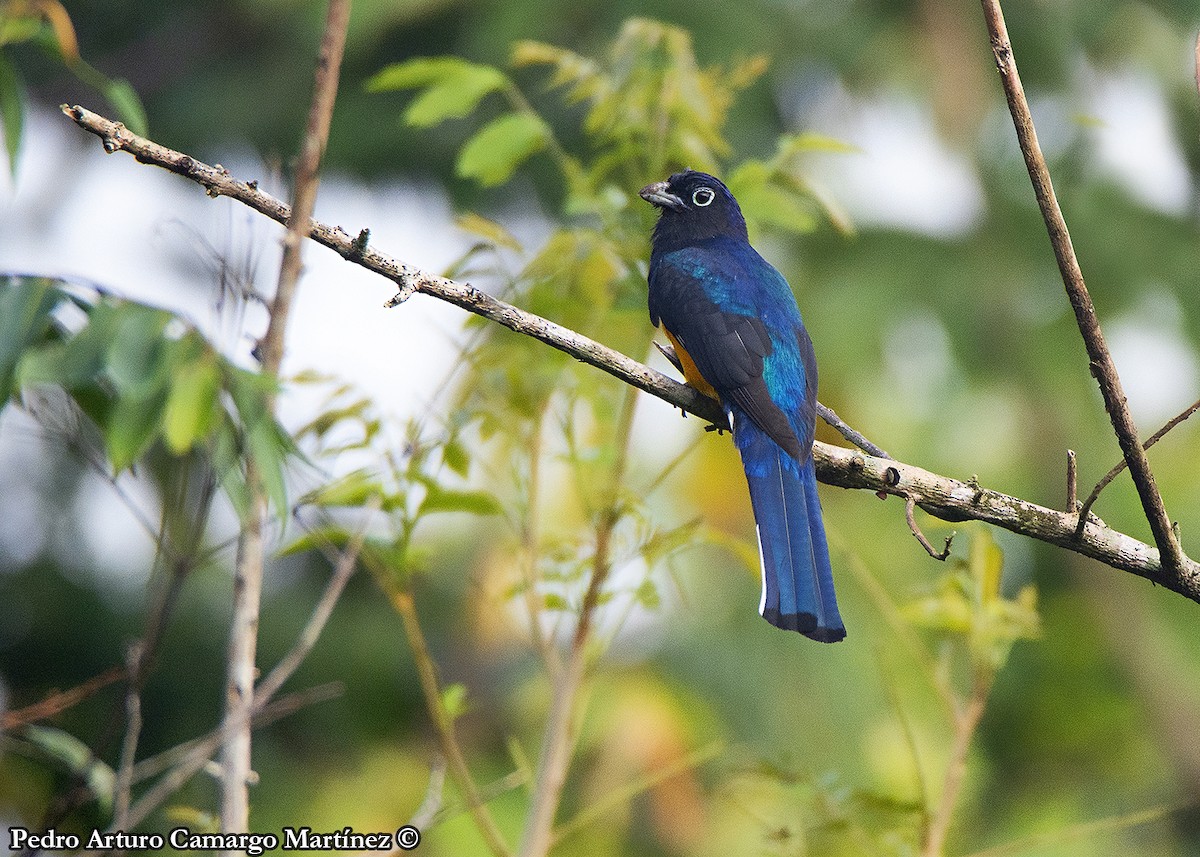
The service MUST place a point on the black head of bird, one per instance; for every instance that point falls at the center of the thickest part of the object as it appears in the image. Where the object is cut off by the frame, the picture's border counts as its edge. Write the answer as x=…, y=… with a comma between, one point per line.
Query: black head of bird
x=694, y=207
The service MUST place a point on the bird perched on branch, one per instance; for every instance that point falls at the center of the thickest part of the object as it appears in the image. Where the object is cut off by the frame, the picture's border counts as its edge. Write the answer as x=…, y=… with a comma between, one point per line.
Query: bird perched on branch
x=737, y=332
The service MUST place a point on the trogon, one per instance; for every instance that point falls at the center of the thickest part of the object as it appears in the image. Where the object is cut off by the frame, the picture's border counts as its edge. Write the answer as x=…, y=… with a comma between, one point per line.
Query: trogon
x=737, y=331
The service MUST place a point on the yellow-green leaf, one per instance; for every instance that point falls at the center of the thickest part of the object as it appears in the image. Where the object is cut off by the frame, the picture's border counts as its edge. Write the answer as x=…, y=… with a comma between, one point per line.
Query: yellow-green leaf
x=192, y=404
x=490, y=230
x=454, y=95
x=494, y=153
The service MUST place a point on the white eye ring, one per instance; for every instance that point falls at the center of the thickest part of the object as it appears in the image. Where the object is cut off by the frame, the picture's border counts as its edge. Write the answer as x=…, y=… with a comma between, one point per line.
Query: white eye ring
x=703, y=196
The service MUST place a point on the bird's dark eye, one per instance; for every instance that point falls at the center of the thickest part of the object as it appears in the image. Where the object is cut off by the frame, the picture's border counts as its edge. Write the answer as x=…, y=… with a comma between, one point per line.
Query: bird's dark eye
x=703, y=196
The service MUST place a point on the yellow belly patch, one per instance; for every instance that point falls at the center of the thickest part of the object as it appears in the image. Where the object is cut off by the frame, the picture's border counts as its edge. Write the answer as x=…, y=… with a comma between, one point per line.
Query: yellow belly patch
x=690, y=372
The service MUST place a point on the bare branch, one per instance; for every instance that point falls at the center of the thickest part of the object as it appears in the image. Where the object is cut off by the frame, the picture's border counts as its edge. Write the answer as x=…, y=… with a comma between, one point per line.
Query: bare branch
x=1117, y=468
x=410, y=280
x=1102, y=366
x=942, y=496
x=444, y=724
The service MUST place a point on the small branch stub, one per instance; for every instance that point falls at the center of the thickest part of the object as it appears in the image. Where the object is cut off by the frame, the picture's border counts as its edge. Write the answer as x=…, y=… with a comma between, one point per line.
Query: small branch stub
x=910, y=503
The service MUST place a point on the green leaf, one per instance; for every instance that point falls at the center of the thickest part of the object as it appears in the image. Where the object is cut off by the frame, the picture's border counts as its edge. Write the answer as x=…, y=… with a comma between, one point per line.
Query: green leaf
x=269, y=448
x=251, y=392
x=455, y=95
x=124, y=99
x=77, y=758
x=227, y=466
x=24, y=319
x=794, y=144
x=319, y=538
x=415, y=73
x=766, y=199
x=353, y=489
x=456, y=457
x=647, y=595
x=489, y=230
x=454, y=700
x=134, y=424
x=499, y=147
x=439, y=499
x=136, y=363
x=12, y=112
x=192, y=404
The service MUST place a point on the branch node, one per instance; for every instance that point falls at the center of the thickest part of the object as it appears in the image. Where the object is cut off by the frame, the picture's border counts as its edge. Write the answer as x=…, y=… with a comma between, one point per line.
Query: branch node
x=973, y=482
x=358, y=246
x=891, y=477
x=407, y=290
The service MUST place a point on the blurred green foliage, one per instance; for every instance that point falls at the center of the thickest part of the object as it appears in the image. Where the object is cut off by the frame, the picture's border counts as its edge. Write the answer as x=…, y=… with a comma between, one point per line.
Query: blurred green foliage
x=495, y=499
x=46, y=25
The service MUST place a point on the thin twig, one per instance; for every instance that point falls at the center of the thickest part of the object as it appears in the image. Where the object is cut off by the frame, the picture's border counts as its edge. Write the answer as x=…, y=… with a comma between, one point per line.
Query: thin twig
x=264, y=715
x=429, y=807
x=247, y=585
x=56, y=703
x=1122, y=464
x=561, y=730
x=1072, y=482
x=342, y=572
x=910, y=503
x=942, y=496
x=1102, y=366
x=965, y=724
x=199, y=752
x=133, y=729
x=444, y=724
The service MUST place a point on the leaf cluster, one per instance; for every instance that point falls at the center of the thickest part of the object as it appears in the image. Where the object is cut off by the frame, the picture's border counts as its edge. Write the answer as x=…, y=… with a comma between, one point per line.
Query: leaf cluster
x=650, y=108
x=970, y=608
x=145, y=380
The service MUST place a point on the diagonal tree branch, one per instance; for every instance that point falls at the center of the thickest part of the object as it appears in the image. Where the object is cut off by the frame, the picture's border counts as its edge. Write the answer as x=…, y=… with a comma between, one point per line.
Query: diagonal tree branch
x=1102, y=366
x=942, y=496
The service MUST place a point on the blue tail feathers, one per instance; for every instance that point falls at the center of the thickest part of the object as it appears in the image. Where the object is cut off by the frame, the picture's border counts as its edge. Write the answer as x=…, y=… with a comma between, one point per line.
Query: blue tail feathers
x=797, y=593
